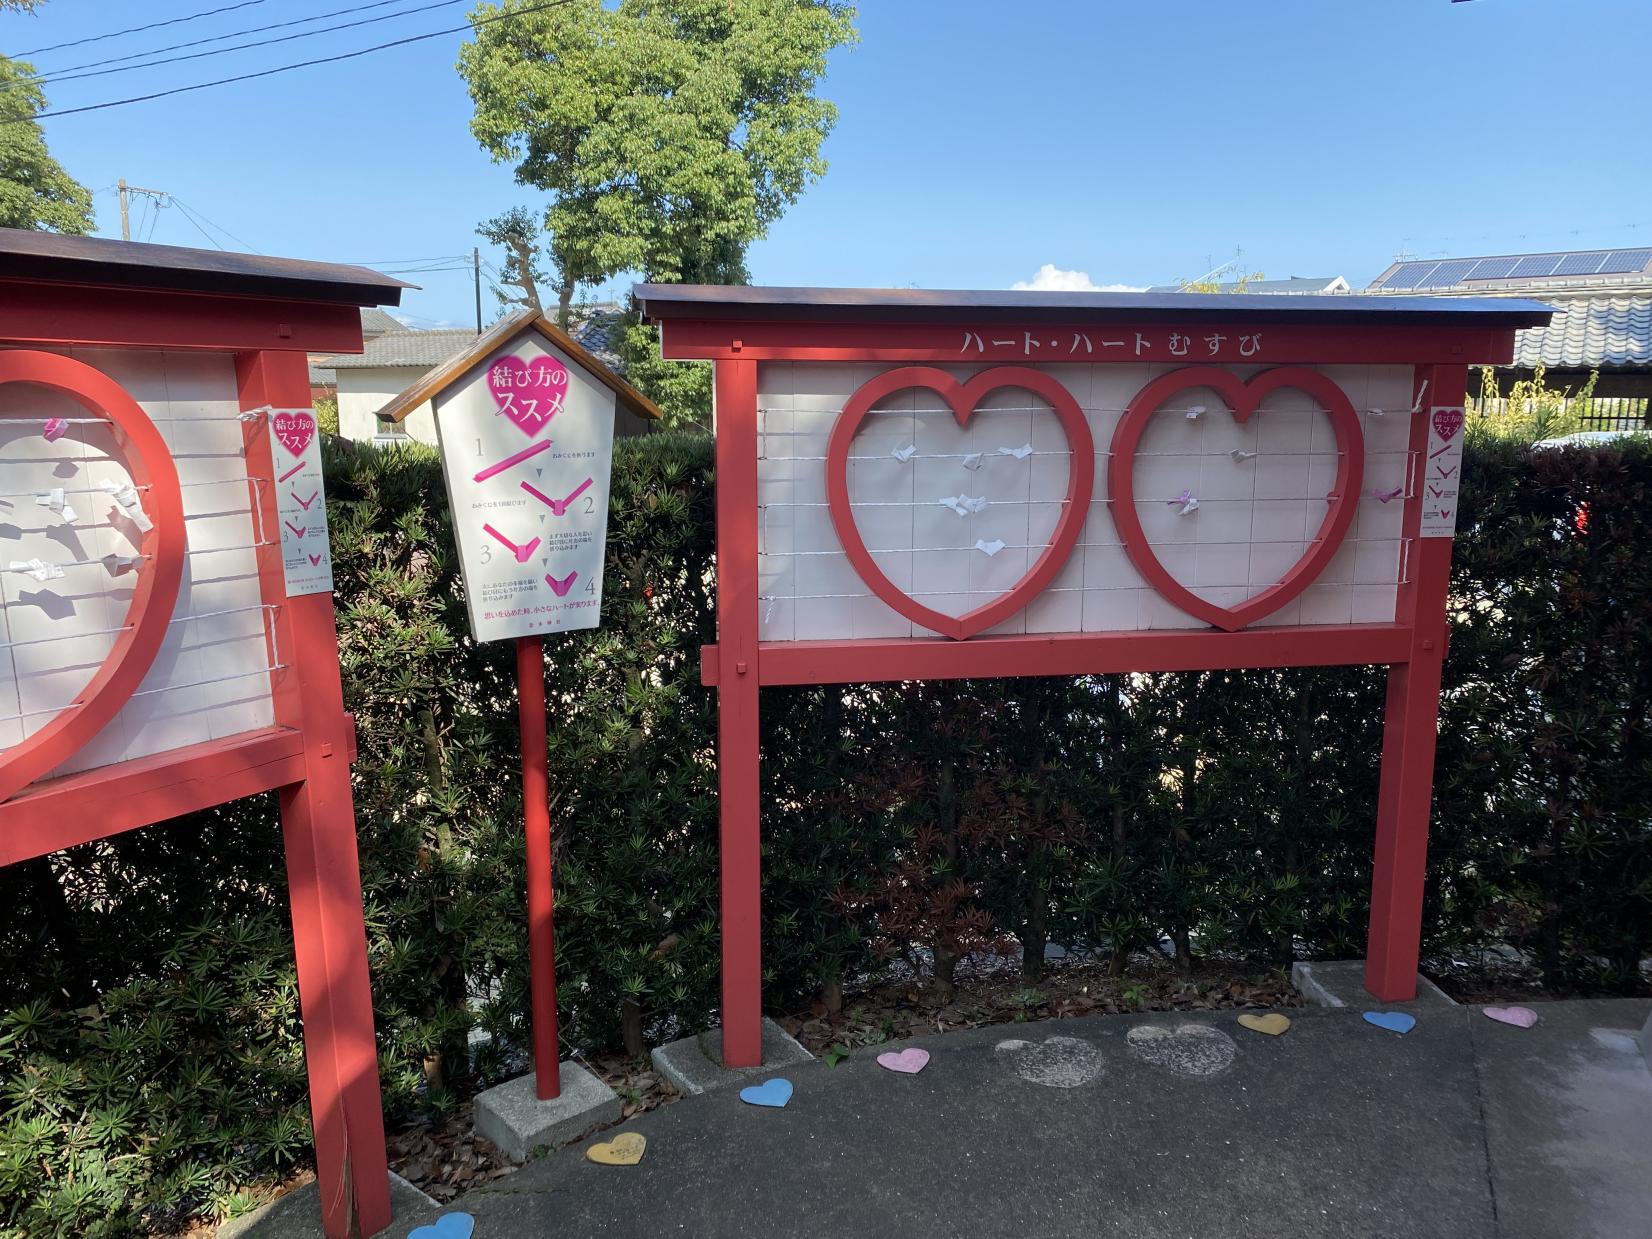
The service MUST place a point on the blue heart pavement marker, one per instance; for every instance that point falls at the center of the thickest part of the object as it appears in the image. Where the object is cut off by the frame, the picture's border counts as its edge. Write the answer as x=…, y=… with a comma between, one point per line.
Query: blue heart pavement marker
x=448, y=1226
x=1393, y=1021
x=774, y=1093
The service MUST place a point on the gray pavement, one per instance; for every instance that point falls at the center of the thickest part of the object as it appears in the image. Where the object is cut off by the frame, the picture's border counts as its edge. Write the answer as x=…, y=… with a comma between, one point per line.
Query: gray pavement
x=1164, y=1125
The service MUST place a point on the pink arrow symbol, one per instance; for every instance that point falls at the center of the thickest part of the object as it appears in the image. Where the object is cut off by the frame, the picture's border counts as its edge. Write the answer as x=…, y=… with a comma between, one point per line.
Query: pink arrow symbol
x=559, y=507
x=1445, y=473
x=298, y=468
x=314, y=560
x=304, y=503
x=561, y=588
x=1436, y=492
x=522, y=553
x=517, y=459
x=298, y=531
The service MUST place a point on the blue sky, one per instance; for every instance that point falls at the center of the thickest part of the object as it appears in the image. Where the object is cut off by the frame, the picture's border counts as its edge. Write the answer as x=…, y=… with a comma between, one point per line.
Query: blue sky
x=1136, y=142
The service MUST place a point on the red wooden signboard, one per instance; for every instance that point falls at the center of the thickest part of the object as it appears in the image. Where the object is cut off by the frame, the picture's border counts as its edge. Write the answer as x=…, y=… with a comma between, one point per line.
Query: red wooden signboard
x=155, y=407
x=1081, y=484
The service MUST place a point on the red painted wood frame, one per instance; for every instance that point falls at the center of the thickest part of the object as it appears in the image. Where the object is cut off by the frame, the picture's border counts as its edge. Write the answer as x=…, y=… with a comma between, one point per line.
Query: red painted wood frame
x=739, y=664
x=305, y=755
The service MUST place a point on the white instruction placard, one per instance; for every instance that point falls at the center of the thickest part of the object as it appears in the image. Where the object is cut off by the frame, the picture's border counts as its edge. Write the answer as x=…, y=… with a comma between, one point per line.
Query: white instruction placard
x=306, y=553
x=527, y=443
x=1442, y=472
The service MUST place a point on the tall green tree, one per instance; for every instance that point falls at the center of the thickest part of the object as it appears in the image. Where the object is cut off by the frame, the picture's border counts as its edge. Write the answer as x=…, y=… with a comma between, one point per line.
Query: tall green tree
x=669, y=134
x=35, y=191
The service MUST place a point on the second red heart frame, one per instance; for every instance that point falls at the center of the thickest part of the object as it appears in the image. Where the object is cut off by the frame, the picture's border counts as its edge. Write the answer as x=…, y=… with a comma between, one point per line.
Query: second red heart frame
x=1243, y=398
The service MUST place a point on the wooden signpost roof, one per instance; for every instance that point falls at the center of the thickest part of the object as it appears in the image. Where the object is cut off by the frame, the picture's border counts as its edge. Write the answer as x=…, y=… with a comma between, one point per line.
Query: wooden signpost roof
x=506, y=329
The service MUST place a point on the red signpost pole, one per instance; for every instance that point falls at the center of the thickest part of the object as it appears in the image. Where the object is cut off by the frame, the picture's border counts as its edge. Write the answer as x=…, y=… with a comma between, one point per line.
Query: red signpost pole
x=1410, y=729
x=536, y=820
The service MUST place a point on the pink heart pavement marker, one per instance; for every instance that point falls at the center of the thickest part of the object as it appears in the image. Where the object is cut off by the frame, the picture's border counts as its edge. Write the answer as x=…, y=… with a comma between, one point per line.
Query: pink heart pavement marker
x=294, y=430
x=528, y=393
x=907, y=1062
x=1520, y=1017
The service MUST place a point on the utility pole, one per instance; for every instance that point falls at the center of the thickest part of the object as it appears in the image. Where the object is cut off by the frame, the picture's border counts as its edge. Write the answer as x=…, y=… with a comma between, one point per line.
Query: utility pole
x=476, y=269
x=126, y=191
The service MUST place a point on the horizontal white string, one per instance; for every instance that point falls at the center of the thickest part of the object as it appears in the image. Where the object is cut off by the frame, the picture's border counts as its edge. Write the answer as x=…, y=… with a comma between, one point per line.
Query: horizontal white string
x=104, y=632
x=1327, y=454
x=269, y=669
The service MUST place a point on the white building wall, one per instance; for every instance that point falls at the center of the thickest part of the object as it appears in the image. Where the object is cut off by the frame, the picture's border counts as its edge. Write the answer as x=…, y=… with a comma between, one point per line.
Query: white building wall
x=364, y=390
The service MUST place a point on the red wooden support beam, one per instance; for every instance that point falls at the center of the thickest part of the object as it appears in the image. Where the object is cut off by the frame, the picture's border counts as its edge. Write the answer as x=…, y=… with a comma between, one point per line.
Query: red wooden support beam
x=737, y=716
x=323, y=867
x=1410, y=723
x=875, y=660
x=536, y=825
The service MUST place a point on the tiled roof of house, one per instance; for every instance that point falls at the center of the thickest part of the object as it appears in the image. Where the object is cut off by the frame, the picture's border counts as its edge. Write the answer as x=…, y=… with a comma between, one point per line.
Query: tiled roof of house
x=375, y=322
x=1589, y=333
x=422, y=349
x=599, y=334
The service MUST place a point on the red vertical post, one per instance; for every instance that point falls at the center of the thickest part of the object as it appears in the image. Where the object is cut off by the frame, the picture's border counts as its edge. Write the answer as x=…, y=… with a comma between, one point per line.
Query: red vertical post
x=737, y=718
x=536, y=824
x=318, y=828
x=1410, y=726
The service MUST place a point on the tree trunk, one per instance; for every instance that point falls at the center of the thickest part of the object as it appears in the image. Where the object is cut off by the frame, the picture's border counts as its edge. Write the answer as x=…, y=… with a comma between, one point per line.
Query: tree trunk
x=1184, y=949
x=1035, y=929
x=564, y=299
x=831, y=996
x=631, y=1028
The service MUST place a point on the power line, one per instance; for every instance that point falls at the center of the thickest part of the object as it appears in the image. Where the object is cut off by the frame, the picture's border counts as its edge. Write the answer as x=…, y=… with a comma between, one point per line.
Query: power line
x=217, y=38
x=302, y=64
x=195, y=211
x=53, y=79
x=115, y=34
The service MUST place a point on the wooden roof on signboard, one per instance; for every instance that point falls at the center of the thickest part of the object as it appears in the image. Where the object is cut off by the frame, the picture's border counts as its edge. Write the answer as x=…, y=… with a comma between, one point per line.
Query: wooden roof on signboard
x=54, y=258
x=921, y=305
x=501, y=333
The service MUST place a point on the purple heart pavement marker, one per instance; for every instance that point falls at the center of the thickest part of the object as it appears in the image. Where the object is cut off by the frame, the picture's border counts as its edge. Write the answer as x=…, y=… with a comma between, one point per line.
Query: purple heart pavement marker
x=448, y=1226
x=1520, y=1017
x=1393, y=1021
x=775, y=1093
x=907, y=1062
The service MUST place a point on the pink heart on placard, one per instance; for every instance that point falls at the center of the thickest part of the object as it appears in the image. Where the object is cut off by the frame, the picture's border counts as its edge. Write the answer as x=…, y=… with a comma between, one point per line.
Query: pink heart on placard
x=294, y=430
x=1520, y=1017
x=528, y=393
x=1447, y=422
x=907, y=1062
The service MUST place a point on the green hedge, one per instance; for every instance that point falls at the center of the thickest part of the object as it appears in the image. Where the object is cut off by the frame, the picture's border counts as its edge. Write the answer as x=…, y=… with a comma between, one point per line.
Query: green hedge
x=150, y=1062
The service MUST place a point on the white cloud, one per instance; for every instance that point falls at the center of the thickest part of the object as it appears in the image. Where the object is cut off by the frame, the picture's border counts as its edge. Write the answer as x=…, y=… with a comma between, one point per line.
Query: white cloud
x=1052, y=279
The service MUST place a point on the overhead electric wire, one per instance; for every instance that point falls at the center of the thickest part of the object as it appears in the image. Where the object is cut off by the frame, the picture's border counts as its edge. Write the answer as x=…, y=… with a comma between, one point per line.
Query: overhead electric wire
x=302, y=64
x=115, y=34
x=51, y=79
x=217, y=38
x=193, y=212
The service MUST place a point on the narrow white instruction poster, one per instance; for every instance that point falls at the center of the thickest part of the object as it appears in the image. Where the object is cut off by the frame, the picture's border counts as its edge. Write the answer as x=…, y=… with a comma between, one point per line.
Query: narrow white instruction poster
x=306, y=553
x=1442, y=472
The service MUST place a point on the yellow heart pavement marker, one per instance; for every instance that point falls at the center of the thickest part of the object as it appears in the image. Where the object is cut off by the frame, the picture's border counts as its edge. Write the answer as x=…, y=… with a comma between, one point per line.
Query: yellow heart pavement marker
x=1272, y=1023
x=625, y=1149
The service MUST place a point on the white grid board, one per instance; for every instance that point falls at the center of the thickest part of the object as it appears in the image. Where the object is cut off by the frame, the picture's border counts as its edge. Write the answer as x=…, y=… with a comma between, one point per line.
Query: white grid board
x=1255, y=515
x=211, y=677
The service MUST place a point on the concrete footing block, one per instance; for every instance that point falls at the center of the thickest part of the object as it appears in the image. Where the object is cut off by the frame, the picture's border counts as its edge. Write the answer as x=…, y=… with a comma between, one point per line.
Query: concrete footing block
x=1341, y=983
x=297, y=1215
x=512, y=1116
x=695, y=1064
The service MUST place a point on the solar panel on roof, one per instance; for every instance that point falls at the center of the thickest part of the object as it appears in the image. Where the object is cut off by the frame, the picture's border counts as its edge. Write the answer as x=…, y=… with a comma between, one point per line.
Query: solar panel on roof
x=1492, y=268
x=1448, y=273
x=1535, y=266
x=1582, y=264
x=1409, y=275
x=1621, y=262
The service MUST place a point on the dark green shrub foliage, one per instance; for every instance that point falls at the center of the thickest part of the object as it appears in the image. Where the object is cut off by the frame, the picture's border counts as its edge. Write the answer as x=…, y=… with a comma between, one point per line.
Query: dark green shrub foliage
x=150, y=1061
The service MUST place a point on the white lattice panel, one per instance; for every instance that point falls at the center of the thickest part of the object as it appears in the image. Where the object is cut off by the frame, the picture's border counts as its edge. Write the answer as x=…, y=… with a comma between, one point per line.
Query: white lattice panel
x=1254, y=518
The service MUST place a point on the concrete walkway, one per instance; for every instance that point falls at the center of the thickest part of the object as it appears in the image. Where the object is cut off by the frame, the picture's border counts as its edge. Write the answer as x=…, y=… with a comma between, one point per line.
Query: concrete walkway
x=1165, y=1125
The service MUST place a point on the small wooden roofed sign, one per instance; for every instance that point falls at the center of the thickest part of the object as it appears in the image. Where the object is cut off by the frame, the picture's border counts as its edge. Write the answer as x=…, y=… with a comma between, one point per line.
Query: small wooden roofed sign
x=507, y=331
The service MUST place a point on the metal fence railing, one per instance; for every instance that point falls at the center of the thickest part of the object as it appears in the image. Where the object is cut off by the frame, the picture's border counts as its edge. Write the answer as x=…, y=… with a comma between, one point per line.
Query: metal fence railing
x=1598, y=412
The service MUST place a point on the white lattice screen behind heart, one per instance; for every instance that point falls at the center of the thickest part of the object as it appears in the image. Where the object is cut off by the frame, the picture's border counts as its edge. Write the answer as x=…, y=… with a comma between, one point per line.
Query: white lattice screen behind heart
x=917, y=482
x=211, y=678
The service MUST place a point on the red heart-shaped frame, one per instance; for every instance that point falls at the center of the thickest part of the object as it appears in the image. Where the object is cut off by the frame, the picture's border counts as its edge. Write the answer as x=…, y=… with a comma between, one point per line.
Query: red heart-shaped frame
x=963, y=399
x=156, y=592
x=1242, y=399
